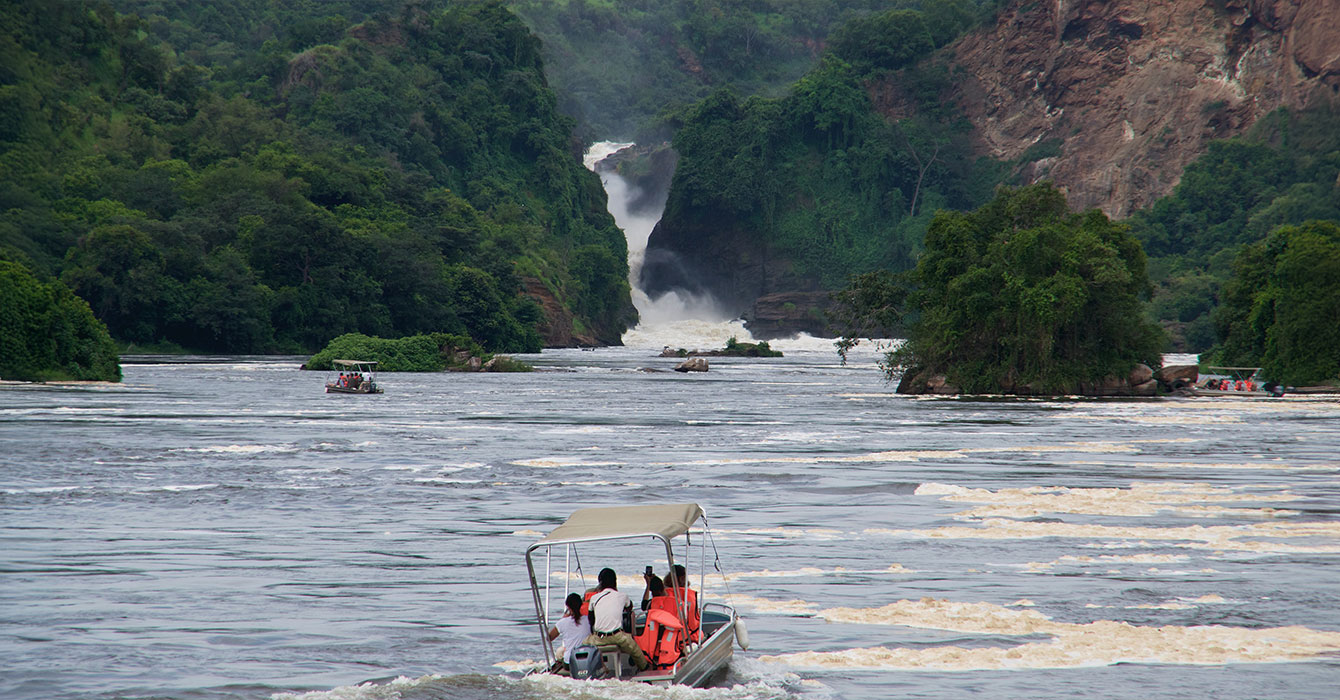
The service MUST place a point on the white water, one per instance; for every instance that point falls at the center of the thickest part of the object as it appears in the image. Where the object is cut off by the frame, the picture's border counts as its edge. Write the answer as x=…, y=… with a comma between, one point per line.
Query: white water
x=673, y=319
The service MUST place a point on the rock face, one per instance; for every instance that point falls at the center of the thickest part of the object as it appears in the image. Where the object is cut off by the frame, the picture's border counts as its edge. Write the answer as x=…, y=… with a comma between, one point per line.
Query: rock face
x=556, y=328
x=1175, y=377
x=649, y=169
x=1130, y=91
x=693, y=364
x=787, y=313
x=718, y=260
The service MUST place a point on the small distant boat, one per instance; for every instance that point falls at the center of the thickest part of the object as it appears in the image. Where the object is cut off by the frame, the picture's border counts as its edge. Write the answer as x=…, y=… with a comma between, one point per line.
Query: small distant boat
x=705, y=635
x=1235, y=381
x=355, y=377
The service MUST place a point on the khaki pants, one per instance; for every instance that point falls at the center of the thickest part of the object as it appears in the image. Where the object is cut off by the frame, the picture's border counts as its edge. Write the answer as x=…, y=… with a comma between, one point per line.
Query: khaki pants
x=625, y=642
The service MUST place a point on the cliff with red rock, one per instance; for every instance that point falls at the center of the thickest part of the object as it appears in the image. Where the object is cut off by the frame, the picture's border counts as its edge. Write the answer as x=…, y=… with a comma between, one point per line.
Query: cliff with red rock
x=1123, y=94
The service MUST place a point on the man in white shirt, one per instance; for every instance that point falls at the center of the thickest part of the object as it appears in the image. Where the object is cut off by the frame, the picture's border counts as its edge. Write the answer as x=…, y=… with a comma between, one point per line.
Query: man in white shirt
x=607, y=606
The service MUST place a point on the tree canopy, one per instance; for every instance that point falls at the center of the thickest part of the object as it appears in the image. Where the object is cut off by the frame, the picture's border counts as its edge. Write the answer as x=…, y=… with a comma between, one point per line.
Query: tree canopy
x=245, y=176
x=1284, y=171
x=1281, y=309
x=1024, y=296
x=48, y=333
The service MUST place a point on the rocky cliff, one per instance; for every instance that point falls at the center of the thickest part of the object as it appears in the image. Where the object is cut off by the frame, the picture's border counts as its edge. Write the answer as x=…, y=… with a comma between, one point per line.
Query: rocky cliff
x=1123, y=94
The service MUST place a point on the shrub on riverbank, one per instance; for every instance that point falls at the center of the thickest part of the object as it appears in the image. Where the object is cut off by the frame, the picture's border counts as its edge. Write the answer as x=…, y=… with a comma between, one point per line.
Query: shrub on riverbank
x=48, y=333
x=432, y=352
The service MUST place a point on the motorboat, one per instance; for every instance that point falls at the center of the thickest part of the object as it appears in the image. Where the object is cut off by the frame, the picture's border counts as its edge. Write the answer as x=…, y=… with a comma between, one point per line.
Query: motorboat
x=1235, y=381
x=355, y=377
x=619, y=535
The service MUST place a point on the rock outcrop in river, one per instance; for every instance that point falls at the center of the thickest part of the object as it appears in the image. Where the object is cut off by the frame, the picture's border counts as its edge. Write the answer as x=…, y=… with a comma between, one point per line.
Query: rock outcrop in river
x=1138, y=382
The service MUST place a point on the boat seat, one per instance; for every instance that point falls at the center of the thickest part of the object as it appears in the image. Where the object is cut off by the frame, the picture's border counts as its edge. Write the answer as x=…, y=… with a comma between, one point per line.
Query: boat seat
x=616, y=663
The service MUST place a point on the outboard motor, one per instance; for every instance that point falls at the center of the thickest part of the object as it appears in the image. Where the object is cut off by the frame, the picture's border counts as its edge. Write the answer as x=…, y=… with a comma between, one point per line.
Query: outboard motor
x=587, y=663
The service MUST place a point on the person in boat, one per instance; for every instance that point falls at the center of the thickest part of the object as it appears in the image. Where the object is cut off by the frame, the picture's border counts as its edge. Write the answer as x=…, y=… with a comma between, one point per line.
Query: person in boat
x=677, y=581
x=655, y=597
x=607, y=612
x=573, y=627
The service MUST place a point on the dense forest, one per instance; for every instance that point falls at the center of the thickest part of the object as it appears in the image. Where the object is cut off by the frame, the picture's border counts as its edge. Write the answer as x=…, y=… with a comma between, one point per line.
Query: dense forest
x=1284, y=171
x=622, y=68
x=821, y=183
x=246, y=176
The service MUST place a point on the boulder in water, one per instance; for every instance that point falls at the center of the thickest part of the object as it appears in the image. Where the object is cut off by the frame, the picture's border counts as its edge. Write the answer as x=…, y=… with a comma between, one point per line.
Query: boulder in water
x=693, y=364
x=1175, y=377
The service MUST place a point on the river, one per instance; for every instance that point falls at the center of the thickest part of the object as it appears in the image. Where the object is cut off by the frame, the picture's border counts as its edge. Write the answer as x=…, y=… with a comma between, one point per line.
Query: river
x=220, y=528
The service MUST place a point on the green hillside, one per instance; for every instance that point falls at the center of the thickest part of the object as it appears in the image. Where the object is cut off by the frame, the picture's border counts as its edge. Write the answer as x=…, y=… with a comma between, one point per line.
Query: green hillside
x=622, y=67
x=243, y=177
x=820, y=184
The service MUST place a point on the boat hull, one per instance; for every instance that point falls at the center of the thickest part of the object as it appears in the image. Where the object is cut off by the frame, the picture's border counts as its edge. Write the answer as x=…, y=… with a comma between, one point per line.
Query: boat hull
x=701, y=666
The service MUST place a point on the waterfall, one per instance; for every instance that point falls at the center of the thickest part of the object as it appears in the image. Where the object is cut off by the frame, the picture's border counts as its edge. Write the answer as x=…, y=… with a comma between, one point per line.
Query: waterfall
x=674, y=319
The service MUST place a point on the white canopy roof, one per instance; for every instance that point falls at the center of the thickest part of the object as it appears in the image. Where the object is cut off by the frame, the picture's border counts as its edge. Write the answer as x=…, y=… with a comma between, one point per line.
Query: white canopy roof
x=667, y=520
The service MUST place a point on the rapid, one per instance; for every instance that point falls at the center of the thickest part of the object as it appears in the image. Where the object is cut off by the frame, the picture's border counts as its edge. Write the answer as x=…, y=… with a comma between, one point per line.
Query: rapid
x=218, y=528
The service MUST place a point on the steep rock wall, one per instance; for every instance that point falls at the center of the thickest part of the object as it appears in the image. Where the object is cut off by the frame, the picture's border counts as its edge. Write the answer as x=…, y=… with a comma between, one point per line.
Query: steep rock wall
x=1132, y=90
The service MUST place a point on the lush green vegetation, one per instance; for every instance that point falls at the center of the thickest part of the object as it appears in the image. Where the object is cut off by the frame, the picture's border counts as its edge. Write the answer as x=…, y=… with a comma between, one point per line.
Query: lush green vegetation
x=760, y=349
x=1281, y=309
x=823, y=178
x=1023, y=296
x=432, y=352
x=47, y=333
x=620, y=67
x=245, y=176
x=734, y=348
x=1284, y=171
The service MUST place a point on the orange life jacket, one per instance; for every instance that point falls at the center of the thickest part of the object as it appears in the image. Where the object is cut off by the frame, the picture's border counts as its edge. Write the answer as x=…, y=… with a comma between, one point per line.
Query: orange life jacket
x=662, y=639
x=586, y=602
x=692, y=616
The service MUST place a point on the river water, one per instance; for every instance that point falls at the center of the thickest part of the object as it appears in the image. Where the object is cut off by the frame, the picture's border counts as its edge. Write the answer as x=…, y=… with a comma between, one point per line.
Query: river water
x=221, y=528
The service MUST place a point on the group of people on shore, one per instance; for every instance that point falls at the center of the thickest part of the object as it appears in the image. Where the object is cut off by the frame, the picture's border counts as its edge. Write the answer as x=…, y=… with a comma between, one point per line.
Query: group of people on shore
x=603, y=616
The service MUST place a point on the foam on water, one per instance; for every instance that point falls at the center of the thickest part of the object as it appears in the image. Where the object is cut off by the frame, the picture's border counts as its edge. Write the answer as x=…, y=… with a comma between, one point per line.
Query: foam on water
x=1071, y=645
x=1081, y=560
x=552, y=462
x=1140, y=499
x=1247, y=463
x=1241, y=538
x=236, y=449
x=392, y=690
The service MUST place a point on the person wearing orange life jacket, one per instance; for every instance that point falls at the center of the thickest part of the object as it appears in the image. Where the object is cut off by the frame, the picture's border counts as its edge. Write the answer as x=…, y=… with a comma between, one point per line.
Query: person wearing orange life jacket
x=677, y=581
x=655, y=597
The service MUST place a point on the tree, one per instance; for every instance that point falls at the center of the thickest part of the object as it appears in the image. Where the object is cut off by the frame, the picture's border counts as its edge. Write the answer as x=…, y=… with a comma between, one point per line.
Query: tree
x=1023, y=296
x=46, y=332
x=1281, y=306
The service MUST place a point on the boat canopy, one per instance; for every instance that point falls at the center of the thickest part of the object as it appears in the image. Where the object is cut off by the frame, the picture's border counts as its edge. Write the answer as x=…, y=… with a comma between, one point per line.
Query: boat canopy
x=666, y=521
x=354, y=363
